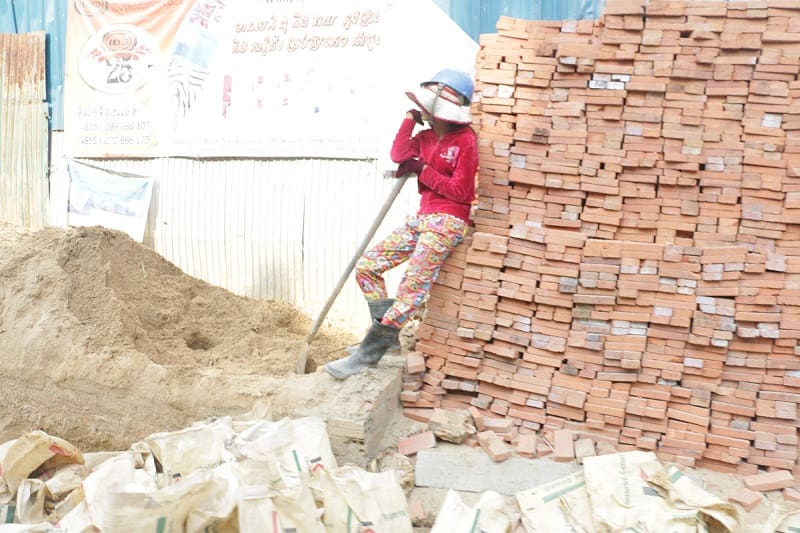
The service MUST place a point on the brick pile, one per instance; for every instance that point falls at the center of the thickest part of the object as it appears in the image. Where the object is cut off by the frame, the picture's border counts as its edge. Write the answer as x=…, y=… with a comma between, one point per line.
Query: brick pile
x=634, y=273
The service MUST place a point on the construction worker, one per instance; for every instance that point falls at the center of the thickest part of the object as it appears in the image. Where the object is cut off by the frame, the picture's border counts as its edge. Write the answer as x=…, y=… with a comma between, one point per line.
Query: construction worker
x=444, y=158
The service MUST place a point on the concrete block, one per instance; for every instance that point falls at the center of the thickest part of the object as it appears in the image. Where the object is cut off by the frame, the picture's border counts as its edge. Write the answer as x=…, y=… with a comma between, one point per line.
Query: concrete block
x=366, y=421
x=450, y=466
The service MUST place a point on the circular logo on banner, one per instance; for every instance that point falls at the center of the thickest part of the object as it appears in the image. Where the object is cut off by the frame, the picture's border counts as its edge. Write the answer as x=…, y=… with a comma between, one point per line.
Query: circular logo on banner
x=118, y=59
x=91, y=8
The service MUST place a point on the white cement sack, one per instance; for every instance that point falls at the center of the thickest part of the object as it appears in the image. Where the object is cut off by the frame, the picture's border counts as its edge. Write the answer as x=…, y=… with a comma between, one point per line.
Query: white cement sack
x=622, y=499
x=355, y=500
x=265, y=510
x=486, y=516
x=200, y=447
x=20, y=457
x=560, y=506
x=291, y=446
x=217, y=512
x=31, y=496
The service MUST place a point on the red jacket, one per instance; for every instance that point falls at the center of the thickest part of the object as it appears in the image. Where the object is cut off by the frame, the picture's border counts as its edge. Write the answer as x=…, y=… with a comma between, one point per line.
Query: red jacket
x=447, y=183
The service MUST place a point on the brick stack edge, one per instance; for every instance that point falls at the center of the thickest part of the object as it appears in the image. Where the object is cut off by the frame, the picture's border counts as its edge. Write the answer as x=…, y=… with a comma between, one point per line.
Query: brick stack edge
x=634, y=272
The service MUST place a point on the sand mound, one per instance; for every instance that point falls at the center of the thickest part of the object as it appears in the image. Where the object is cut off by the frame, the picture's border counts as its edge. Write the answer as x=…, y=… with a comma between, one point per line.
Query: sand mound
x=103, y=341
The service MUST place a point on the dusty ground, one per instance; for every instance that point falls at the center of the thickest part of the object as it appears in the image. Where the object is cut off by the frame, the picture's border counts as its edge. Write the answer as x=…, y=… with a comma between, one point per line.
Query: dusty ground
x=103, y=342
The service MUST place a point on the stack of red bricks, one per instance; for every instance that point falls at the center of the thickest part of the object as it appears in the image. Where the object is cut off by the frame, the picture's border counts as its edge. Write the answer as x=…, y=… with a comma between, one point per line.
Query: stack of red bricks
x=634, y=273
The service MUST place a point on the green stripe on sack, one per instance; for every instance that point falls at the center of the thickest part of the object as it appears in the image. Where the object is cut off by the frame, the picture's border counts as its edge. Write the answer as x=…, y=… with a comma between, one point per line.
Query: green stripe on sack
x=161, y=524
x=296, y=461
x=475, y=522
x=9, y=515
x=565, y=490
x=676, y=476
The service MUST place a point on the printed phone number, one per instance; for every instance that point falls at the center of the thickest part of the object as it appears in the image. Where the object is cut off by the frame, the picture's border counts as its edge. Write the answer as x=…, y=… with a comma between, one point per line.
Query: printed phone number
x=121, y=140
x=90, y=127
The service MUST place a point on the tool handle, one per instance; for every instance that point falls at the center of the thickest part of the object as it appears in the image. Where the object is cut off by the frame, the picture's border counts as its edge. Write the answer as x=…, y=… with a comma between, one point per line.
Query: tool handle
x=387, y=204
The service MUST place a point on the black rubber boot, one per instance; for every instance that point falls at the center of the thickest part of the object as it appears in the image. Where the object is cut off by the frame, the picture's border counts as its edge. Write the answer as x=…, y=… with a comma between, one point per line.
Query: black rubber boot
x=369, y=352
x=376, y=311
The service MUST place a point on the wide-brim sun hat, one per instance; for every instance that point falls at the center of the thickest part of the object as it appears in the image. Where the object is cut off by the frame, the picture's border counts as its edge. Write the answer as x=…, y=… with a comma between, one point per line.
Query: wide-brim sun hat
x=446, y=96
x=440, y=102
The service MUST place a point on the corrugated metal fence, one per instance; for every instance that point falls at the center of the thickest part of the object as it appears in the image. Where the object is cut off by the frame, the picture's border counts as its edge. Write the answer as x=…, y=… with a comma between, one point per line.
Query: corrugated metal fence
x=280, y=229
x=480, y=16
x=23, y=130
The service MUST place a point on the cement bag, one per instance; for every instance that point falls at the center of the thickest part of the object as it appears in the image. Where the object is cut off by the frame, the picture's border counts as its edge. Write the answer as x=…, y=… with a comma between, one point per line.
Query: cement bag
x=64, y=480
x=560, y=506
x=118, y=471
x=31, y=496
x=78, y=519
x=487, y=515
x=622, y=499
x=20, y=457
x=134, y=508
x=29, y=528
x=782, y=521
x=683, y=493
x=293, y=446
x=356, y=501
x=199, y=447
x=265, y=510
x=217, y=512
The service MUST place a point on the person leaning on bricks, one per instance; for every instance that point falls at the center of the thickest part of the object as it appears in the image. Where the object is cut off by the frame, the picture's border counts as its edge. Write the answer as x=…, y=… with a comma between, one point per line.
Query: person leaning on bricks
x=444, y=157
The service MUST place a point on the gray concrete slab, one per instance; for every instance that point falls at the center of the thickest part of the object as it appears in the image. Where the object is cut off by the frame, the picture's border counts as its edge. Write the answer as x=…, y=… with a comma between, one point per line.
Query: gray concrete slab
x=450, y=466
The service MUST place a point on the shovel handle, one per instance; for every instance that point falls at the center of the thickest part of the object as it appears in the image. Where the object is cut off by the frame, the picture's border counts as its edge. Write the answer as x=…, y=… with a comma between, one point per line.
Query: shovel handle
x=303, y=355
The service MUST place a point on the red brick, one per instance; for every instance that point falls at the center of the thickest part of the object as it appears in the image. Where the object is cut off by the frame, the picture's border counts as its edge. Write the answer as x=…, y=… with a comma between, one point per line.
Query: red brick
x=778, y=479
x=564, y=445
x=747, y=498
x=526, y=445
x=413, y=444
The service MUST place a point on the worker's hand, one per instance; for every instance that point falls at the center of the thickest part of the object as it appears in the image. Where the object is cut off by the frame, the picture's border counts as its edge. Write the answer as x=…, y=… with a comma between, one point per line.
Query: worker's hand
x=408, y=167
x=416, y=115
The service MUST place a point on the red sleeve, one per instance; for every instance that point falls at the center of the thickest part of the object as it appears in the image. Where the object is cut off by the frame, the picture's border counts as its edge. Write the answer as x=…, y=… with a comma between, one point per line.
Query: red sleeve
x=405, y=146
x=460, y=187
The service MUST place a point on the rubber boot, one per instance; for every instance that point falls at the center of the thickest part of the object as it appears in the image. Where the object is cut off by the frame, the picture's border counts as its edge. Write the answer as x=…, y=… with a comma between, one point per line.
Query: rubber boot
x=369, y=352
x=376, y=311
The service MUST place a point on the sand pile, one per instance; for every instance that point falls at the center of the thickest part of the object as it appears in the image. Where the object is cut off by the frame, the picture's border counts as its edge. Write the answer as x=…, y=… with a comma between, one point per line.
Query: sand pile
x=102, y=341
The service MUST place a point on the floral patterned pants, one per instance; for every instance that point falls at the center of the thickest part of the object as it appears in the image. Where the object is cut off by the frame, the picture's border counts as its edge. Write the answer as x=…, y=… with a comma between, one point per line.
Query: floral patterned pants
x=424, y=241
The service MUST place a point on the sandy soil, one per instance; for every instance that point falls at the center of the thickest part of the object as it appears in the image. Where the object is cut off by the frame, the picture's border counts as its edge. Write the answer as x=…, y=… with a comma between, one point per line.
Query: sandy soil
x=103, y=342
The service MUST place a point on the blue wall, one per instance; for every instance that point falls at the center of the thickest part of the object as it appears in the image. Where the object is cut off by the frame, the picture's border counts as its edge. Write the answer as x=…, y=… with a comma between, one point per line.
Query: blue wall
x=480, y=16
x=23, y=16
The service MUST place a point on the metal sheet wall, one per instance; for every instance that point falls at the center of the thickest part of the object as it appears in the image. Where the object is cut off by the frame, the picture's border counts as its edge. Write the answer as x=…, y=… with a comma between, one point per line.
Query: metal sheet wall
x=281, y=229
x=480, y=16
x=23, y=130
x=50, y=16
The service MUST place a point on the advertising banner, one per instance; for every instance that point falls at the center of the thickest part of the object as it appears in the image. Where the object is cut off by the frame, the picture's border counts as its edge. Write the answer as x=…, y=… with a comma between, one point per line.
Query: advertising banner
x=247, y=78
